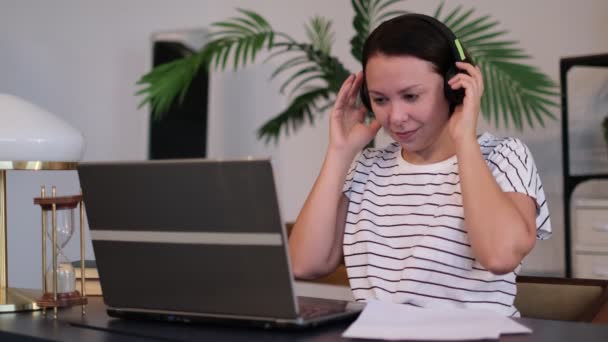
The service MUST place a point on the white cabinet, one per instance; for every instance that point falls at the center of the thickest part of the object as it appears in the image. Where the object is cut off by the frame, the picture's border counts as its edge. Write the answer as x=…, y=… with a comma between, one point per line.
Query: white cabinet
x=590, y=238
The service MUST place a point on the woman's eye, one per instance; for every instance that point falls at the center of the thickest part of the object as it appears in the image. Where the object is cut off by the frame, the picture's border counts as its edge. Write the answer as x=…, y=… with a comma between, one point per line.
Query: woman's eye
x=379, y=100
x=410, y=97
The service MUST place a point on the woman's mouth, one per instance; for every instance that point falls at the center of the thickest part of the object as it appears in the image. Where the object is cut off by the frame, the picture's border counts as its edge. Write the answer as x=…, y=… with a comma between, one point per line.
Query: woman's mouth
x=406, y=135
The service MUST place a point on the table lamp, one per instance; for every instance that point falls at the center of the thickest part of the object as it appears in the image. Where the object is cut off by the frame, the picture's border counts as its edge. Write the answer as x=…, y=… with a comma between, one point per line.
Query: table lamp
x=32, y=139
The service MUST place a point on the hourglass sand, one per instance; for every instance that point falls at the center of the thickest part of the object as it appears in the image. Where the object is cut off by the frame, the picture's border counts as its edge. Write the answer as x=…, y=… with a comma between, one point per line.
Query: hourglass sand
x=59, y=277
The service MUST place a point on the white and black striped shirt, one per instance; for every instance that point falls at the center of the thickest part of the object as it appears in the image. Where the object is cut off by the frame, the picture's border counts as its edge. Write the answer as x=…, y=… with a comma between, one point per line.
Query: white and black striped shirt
x=405, y=240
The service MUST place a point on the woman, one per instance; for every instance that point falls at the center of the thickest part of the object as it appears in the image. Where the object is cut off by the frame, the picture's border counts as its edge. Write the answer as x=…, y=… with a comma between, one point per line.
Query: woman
x=439, y=218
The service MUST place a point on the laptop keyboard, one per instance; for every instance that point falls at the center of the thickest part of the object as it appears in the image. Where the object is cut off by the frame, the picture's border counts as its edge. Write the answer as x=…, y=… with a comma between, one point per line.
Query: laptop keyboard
x=311, y=308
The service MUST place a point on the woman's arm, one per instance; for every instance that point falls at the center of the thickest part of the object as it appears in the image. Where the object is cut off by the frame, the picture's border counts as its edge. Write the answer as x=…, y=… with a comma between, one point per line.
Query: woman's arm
x=315, y=244
x=501, y=226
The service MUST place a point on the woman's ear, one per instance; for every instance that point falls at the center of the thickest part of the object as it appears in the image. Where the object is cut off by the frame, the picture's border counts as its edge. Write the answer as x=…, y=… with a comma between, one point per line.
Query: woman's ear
x=364, y=95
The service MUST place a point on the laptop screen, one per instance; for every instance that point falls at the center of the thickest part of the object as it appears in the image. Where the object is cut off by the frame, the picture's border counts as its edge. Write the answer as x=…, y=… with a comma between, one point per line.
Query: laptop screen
x=197, y=236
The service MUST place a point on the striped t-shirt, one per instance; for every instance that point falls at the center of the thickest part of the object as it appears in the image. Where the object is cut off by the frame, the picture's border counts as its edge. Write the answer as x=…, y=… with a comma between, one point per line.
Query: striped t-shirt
x=405, y=239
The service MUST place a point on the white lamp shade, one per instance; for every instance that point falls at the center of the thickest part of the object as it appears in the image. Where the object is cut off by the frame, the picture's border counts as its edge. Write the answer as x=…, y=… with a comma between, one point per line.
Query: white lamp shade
x=30, y=133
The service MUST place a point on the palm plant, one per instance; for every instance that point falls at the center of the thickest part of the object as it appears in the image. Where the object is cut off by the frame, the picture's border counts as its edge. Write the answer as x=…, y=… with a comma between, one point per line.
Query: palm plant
x=514, y=90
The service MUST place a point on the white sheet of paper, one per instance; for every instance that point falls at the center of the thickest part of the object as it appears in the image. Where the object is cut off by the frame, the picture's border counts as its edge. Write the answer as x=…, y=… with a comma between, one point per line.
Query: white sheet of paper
x=389, y=321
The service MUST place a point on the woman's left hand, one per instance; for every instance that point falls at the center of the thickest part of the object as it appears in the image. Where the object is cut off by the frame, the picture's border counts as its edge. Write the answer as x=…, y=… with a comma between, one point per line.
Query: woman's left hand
x=463, y=122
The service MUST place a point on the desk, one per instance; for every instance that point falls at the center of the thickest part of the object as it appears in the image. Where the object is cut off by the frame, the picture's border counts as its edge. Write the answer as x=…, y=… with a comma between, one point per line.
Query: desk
x=34, y=326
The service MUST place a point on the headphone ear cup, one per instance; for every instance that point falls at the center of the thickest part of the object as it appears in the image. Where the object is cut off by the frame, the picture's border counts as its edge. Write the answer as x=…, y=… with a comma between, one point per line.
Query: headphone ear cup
x=364, y=95
x=454, y=97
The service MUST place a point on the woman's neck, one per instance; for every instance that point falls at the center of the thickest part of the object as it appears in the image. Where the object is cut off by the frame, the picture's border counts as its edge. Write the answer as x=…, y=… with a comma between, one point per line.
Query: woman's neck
x=441, y=149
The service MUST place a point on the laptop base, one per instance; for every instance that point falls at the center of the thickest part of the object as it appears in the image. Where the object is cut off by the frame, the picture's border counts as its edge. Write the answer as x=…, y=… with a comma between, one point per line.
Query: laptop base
x=321, y=312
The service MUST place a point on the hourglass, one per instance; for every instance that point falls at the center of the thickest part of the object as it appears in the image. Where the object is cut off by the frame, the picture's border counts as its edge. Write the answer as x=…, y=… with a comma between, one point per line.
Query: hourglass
x=58, y=274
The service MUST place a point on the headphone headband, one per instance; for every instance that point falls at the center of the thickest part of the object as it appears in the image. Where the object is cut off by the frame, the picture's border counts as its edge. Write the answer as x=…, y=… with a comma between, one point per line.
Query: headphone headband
x=455, y=45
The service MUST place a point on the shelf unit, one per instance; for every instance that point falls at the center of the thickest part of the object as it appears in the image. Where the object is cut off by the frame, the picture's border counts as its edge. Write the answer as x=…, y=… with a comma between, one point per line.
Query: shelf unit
x=590, y=238
x=572, y=181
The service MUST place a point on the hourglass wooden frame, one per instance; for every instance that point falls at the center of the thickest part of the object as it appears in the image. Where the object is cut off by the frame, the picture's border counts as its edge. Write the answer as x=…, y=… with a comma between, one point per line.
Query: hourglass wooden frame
x=54, y=204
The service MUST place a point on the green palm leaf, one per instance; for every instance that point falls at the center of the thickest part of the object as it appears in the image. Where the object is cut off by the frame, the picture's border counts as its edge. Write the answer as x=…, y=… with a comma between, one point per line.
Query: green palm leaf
x=308, y=59
x=513, y=90
x=246, y=35
x=368, y=14
x=304, y=107
x=312, y=61
x=317, y=75
x=240, y=38
x=168, y=82
x=320, y=35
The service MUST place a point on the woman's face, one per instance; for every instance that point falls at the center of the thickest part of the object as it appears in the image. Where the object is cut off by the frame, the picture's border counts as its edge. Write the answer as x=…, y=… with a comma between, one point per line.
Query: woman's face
x=407, y=98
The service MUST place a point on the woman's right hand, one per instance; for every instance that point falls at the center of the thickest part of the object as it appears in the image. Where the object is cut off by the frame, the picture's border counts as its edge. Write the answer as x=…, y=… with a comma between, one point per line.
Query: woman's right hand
x=348, y=131
x=315, y=244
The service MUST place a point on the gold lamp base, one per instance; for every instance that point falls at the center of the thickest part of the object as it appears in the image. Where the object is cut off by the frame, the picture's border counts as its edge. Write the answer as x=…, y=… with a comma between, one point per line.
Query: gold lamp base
x=14, y=299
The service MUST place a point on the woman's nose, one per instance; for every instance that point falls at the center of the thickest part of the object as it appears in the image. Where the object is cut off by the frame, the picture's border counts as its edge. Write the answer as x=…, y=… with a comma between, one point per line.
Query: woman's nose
x=398, y=113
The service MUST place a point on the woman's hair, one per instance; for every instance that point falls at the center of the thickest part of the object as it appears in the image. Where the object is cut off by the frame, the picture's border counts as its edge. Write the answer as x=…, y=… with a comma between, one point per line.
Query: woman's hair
x=413, y=35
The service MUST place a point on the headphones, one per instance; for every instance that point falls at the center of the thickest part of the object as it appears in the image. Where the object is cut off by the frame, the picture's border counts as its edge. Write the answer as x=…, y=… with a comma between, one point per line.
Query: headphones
x=454, y=97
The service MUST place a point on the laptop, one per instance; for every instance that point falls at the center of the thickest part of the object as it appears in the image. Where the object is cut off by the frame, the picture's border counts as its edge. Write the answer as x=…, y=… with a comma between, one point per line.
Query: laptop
x=196, y=240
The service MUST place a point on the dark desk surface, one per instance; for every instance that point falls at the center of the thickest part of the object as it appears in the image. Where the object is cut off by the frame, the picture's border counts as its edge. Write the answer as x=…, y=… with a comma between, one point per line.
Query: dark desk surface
x=35, y=326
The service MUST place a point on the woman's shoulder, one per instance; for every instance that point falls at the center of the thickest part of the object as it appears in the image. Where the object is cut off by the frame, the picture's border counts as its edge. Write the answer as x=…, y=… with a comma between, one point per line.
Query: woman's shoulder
x=489, y=143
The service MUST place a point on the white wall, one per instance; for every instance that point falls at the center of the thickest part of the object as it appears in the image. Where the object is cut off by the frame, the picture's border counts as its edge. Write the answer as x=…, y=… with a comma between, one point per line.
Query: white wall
x=81, y=59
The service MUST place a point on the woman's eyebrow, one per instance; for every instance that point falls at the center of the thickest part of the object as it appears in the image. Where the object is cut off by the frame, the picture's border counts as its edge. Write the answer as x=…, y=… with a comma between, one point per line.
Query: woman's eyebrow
x=404, y=90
